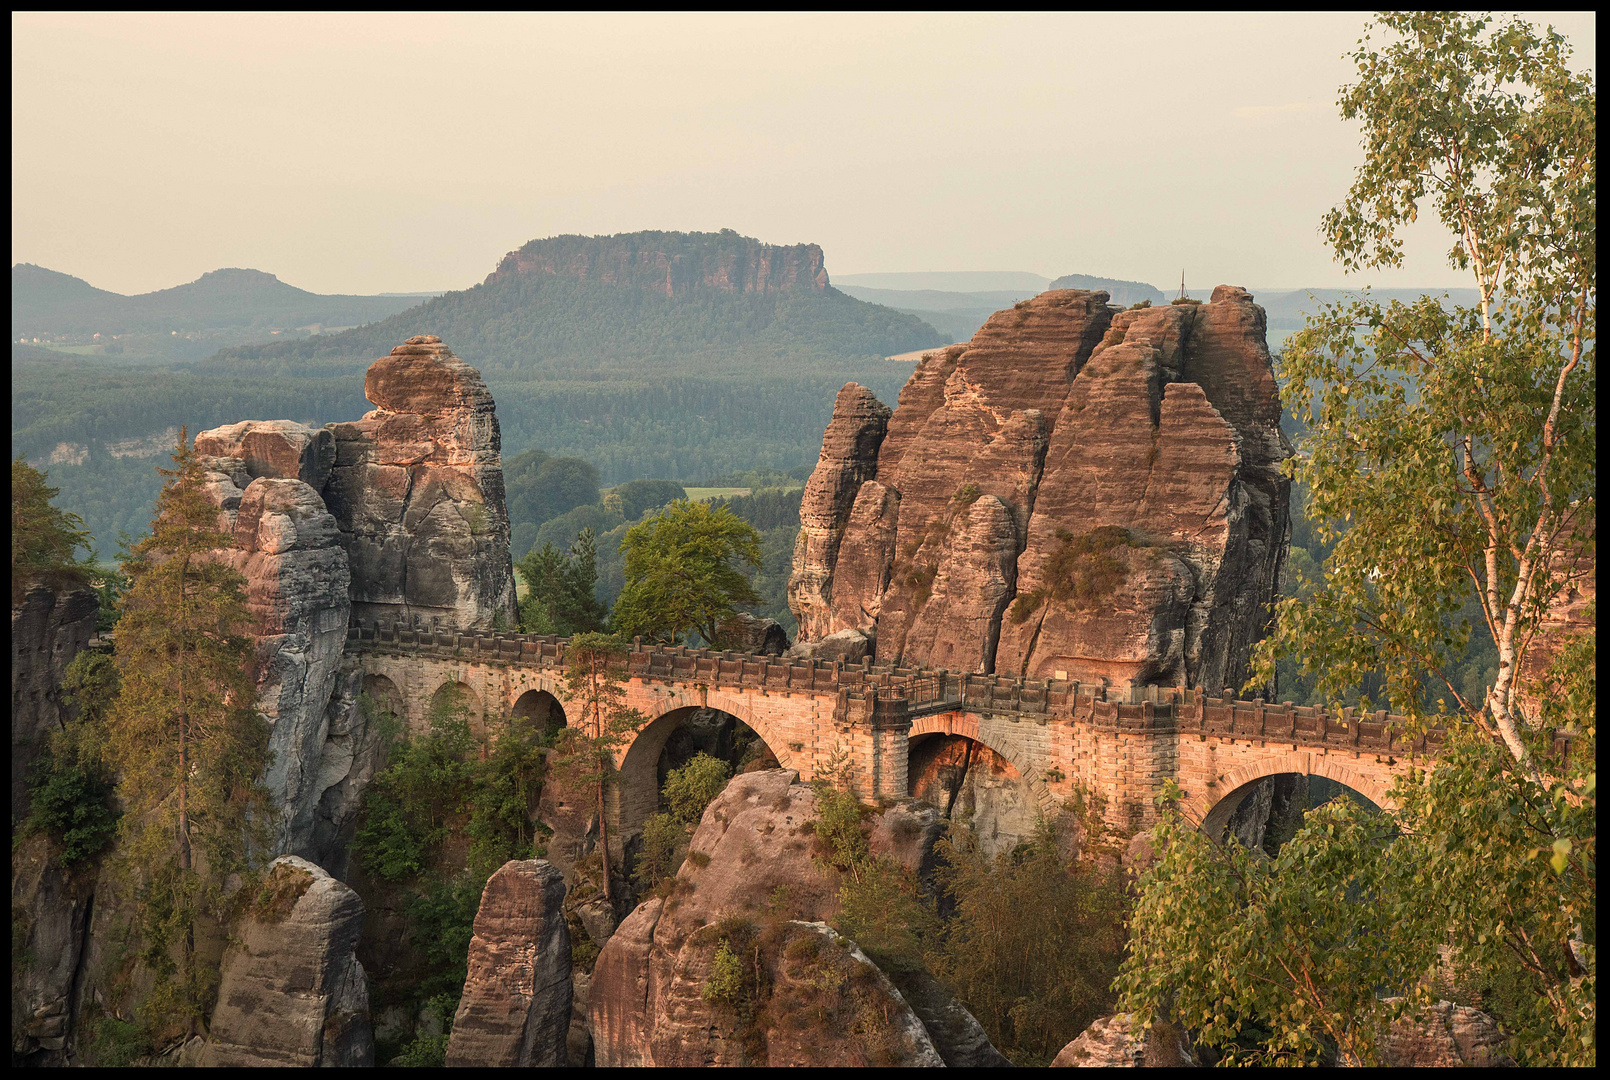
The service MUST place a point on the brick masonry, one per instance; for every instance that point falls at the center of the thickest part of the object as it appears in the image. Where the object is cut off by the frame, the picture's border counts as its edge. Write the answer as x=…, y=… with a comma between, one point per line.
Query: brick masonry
x=1122, y=745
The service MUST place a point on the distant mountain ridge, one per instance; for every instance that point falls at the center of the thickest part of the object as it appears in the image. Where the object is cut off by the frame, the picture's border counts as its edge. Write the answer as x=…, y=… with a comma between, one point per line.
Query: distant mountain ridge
x=604, y=306
x=1118, y=290
x=672, y=263
x=45, y=301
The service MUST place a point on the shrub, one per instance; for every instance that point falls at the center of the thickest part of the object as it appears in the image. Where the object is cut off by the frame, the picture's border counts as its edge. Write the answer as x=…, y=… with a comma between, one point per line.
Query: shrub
x=118, y=1043
x=280, y=891
x=662, y=836
x=1082, y=571
x=726, y=983
x=694, y=786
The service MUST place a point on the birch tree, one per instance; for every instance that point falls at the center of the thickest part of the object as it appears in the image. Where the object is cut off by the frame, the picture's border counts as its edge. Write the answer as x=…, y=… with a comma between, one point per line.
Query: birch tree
x=1451, y=450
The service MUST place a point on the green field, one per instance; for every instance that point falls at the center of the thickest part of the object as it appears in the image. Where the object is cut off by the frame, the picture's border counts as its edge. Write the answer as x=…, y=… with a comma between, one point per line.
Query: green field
x=704, y=494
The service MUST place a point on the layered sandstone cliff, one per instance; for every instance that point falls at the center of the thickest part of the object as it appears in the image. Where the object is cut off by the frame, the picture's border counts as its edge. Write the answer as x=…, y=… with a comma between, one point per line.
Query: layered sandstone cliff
x=291, y=991
x=398, y=516
x=1079, y=492
x=672, y=263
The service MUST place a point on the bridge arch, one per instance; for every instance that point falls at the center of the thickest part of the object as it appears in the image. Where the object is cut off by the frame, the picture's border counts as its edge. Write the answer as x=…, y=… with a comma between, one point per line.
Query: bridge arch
x=455, y=694
x=1212, y=810
x=967, y=726
x=541, y=707
x=638, y=789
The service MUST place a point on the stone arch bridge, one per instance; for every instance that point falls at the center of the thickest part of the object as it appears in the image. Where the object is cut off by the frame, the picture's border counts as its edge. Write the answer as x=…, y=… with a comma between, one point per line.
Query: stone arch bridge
x=1120, y=744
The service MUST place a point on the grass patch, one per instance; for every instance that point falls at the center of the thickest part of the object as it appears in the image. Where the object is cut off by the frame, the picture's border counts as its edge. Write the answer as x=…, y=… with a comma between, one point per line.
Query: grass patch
x=280, y=891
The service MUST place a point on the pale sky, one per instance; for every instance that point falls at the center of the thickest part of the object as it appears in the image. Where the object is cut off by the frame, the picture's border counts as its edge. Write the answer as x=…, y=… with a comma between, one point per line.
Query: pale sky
x=390, y=153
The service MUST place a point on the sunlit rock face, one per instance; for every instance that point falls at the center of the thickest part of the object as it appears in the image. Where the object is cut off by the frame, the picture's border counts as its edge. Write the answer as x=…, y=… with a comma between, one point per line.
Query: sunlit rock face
x=1079, y=492
x=417, y=492
x=398, y=516
x=754, y=868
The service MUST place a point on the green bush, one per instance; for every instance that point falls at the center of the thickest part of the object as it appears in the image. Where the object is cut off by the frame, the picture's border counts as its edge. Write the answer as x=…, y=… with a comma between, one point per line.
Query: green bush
x=694, y=786
x=117, y=1043
x=725, y=985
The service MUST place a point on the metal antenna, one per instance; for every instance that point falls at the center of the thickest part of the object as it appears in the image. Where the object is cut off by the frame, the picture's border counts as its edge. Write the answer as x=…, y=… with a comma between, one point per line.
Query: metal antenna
x=1182, y=295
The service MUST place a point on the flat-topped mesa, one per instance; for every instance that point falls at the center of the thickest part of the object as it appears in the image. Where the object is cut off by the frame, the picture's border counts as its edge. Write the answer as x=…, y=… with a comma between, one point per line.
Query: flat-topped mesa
x=417, y=491
x=1079, y=492
x=672, y=264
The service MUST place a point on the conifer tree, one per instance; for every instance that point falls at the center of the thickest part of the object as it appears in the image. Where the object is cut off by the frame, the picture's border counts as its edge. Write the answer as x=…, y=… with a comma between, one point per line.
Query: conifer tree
x=185, y=729
x=595, y=678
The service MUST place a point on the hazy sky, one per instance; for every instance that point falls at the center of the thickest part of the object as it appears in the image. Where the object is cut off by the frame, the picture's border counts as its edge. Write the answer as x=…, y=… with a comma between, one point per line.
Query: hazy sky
x=375, y=153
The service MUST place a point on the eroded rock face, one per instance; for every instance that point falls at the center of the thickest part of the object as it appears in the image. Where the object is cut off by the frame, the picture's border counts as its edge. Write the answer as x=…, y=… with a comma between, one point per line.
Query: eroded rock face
x=1445, y=1035
x=287, y=547
x=291, y=990
x=50, y=624
x=515, y=1010
x=1077, y=493
x=417, y=491
x=849, y=458
x=49, y=911
x=1117, y=1041
x=276, y=448
x=400, y=515
x=753, y=851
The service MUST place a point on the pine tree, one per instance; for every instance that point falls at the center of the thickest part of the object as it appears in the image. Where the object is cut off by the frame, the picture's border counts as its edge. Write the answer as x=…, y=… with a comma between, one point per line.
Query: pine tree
x=185, y=730
x=595, y=678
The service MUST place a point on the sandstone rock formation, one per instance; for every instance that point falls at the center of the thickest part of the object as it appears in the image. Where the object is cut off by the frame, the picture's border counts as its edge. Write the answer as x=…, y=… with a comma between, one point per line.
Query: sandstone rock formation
x=399, y=515
x=291, y=990
x=515, y=1010
x=672, y=263
x=1077, y=493
x=417, y=490
x=50, y=624
x=1117, y=1042
x=49, y=912
x=750, y=865
x=1444, y=1035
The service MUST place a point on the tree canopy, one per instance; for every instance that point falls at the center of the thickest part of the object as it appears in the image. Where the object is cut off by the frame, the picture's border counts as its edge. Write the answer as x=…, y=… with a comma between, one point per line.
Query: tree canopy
x=680, y=572
x=1449, y=461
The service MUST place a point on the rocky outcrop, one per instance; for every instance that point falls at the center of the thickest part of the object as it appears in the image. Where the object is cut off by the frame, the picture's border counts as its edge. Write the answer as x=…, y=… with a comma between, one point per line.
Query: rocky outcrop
x=399, y=515
x=282, y=449
x=849, y=458
x=750, y=887
x=50, y=910
x=288, y=549
x=747, y=633
x=1117, y=1041
x=50, y=624
x=672, y=264
x=1077, y=493
x=515, y=1010
x=978, y=786
x=417, y=491
x=291, y=990
x=1444, y=1035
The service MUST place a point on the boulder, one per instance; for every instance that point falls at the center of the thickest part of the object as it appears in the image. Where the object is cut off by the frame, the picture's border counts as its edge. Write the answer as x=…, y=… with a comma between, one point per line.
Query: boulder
x=291, y=992
x=1076, y=493
x=751, y=886
x=1118, y=1041
x=1444, y=1035
x=417, y=492
x=515, y=1010
x=282, y=449
x=847, y=646
x=747, y=633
